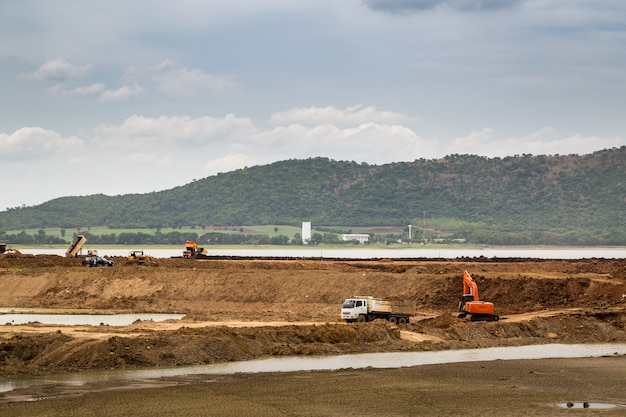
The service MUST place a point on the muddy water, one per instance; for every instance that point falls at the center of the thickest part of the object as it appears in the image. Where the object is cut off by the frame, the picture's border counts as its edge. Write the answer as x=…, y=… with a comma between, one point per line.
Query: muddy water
x=293, y=364
x=13, y=316
x=589, y=405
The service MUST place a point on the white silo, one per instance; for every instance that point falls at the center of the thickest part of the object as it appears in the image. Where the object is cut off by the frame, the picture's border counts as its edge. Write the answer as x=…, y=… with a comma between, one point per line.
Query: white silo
x=306, y=232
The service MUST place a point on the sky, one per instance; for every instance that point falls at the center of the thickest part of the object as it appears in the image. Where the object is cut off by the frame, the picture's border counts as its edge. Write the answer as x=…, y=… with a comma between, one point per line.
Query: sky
x=122, y=97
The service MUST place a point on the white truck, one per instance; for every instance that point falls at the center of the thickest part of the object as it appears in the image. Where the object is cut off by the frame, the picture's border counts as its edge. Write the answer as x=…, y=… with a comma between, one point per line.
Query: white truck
x=367, y=308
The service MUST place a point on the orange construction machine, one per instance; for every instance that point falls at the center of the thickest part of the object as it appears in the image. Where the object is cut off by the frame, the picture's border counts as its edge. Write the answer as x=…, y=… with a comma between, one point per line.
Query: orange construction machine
x=472, y=306
x=192, y=251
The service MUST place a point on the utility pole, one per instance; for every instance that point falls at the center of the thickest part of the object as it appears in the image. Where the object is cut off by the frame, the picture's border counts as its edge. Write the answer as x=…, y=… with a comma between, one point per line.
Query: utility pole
x=409, y=233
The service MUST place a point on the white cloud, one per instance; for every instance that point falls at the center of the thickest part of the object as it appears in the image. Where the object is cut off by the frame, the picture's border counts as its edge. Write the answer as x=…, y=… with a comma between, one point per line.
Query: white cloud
x=546, y=141
x=123, y=93
x=85, y=90
x=58, y=70
x=313, y=116
x=171, y=77
x=184, y=131
x=233, y=161
x=34, y=143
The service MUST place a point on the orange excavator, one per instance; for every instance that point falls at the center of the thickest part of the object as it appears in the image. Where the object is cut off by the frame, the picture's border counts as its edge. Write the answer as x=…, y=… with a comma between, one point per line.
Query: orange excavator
x=471, y=305
x=193, y=251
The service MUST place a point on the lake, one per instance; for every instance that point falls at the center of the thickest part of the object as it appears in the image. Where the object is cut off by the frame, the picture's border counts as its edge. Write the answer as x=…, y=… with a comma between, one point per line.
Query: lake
x=365, y=253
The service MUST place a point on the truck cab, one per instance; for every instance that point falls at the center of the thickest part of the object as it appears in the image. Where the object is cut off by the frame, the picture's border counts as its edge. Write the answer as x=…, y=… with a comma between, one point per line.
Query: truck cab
x=352, y=308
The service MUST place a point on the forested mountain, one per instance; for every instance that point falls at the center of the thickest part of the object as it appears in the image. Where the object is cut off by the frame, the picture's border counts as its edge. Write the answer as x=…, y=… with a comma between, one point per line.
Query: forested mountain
x=546, y=199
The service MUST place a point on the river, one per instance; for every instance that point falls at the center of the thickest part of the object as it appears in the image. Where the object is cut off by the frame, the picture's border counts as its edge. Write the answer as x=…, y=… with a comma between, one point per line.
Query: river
x=308, y=363
x=365, y=253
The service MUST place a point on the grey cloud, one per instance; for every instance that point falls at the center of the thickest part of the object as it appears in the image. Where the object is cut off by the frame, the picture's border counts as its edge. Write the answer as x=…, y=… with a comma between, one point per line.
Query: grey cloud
x=58, y=70
x=415, y=6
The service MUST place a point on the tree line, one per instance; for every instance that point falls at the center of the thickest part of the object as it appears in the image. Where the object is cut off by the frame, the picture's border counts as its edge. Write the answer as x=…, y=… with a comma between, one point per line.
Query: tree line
x=522, y=199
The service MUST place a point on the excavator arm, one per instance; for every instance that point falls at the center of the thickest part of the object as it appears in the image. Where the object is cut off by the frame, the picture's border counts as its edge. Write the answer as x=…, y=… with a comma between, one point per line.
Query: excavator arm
x=469, y=286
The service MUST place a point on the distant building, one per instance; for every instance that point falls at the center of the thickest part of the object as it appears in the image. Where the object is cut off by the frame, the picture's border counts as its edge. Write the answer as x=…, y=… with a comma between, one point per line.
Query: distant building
x=360, y=237
x=306, y=232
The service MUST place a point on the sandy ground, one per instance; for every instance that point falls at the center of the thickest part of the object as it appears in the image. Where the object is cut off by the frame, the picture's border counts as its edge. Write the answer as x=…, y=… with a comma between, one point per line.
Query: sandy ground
x=490, y=389
x=244, y=309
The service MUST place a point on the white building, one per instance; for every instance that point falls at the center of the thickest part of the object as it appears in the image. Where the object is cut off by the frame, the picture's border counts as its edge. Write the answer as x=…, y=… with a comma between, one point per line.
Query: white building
x=306, y=232
x=360, y=237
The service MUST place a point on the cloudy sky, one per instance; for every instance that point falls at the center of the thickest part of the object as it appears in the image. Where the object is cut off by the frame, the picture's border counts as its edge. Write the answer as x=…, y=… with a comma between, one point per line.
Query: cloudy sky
x=120, y=97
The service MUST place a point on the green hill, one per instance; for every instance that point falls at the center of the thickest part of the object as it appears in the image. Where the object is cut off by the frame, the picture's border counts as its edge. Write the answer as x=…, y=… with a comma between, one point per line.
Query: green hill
x=573, y=199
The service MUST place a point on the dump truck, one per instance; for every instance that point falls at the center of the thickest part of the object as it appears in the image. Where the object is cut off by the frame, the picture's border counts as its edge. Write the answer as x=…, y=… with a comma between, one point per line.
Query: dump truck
x=76, y=246
x=471, y=306
x=367, y=308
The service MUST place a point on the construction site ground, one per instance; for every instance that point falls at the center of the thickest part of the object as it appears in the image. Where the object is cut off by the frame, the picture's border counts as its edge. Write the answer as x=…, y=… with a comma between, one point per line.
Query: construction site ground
x=244, y=309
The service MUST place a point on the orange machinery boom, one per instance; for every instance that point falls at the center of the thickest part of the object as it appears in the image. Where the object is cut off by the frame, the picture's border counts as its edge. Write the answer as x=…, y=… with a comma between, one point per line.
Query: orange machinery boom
x=472, y=305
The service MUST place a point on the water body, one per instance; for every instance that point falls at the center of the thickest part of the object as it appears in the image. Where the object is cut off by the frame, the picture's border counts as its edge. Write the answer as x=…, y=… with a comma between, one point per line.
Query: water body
x=363, y=253
x=15, y=316
x=307, y=363
x=589, y=405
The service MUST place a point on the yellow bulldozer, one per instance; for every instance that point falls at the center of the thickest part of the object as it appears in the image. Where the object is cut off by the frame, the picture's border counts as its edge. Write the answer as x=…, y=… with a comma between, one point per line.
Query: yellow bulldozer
x=137, y=257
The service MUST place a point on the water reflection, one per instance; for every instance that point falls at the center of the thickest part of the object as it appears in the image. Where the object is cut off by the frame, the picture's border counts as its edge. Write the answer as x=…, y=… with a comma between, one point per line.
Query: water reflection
x=12, y=316
x=355, y=361
x=364, y=253
x=586, y=404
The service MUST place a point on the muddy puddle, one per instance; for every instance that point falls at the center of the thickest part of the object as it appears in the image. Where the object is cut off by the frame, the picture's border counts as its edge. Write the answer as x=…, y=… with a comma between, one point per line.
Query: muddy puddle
x=27, y=388
x=16, y=316
x=590, y=405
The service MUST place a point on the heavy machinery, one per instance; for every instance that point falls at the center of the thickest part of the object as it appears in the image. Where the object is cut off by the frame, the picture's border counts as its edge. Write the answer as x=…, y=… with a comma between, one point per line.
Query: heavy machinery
x=192, y=251
x=76, y=246
x=471, y=305
x=4, y=249
x=137, y=257
x=368, y=308
x=94, y=261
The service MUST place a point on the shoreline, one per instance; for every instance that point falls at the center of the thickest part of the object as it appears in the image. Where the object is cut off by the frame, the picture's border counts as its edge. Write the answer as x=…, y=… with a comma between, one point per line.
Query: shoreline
x=513, y=388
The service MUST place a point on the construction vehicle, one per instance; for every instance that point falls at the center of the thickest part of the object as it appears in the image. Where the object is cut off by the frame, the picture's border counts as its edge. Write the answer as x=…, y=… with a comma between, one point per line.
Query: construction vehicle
x=93, y=261
x=137, y=257
x=471, y=305
x=192, y=251
x=367, y=308
x=76, y=246
x=4, y=249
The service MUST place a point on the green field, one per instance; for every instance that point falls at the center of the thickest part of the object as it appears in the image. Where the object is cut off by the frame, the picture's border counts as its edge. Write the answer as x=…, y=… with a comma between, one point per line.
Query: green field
x=243, y=236
x=270, y=230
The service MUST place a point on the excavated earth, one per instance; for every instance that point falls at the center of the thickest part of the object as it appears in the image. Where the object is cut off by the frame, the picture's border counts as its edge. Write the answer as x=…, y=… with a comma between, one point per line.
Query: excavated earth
x=243, y=309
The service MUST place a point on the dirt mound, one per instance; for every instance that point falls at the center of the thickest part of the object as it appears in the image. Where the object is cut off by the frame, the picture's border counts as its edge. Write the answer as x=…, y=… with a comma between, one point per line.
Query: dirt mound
x=540, y=301
x=57, y=352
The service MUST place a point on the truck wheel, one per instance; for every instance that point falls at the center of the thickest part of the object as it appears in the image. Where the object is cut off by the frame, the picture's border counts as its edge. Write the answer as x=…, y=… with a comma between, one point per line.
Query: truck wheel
x=393, y=320
x=402, y=320
x=361, y=319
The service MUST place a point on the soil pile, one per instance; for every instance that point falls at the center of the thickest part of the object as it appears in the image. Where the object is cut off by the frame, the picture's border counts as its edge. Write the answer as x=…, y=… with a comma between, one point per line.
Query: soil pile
x=242, y=309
